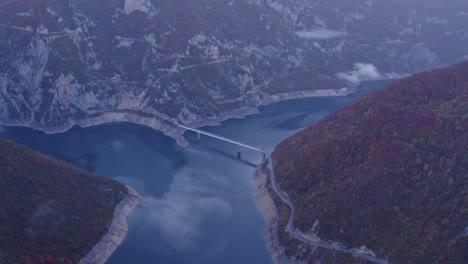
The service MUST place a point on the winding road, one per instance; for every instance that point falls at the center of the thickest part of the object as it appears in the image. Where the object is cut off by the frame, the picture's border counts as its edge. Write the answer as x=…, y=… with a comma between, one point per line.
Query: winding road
x=312, y=239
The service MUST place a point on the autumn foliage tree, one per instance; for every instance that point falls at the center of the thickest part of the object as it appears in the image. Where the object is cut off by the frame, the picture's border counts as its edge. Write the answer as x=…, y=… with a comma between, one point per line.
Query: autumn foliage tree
x=389, y=171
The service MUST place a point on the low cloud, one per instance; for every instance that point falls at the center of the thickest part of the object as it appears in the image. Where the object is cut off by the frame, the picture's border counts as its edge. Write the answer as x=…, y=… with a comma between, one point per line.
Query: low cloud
x=118, y=145
x=320, y=34
x=178, y=215
x=361, y=72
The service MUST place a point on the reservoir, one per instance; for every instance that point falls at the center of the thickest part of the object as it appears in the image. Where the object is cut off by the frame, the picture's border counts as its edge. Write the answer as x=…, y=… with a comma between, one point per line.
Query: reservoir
x=198, y=203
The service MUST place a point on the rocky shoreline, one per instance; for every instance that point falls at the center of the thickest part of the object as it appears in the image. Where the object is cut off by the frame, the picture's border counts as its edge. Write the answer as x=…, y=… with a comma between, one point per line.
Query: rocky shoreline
x=118, y=230
x=167, y=126
x=106, y=118
x=269, y=211
x=307, y=246
x=116, y=233
x=243, y=112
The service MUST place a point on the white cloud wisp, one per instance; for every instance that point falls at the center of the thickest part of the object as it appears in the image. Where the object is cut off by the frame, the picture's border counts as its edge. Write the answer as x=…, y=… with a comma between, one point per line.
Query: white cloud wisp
x=361, y=72
x=320, y=34
x=178, y=215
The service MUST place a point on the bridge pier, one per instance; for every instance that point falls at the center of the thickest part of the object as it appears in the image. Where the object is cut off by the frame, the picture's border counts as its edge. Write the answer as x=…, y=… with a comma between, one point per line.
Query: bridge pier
x=198, y=136
x=239, y=153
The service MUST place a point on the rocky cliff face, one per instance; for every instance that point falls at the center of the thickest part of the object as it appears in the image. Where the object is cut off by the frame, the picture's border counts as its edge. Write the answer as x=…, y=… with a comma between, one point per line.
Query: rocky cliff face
x=388, y=173
x=187, y=61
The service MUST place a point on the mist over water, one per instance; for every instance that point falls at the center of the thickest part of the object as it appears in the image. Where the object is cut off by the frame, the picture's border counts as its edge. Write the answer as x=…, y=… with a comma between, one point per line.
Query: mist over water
x=198, y=203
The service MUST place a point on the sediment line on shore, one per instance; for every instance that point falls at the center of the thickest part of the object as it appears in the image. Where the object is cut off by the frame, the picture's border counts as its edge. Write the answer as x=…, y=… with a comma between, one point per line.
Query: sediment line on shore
x=116, y=232
x=172, y=130
x=269, y=211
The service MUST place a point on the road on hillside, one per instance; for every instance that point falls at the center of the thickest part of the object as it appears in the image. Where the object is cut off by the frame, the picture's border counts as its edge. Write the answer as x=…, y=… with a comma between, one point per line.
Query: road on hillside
x=312, y=239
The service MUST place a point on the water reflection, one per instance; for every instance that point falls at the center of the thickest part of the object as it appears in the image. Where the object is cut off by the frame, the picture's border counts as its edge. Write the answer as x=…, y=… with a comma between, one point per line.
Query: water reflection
x=197, y=203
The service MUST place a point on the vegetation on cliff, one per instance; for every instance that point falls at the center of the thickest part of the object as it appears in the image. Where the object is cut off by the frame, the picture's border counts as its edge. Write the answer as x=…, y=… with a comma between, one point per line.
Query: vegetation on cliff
x=389, y=171
x=51, y=212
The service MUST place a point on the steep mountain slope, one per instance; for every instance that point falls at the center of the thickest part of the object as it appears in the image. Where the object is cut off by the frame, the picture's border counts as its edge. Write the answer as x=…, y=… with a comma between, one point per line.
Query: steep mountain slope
x=389, y=171
x=51, y=212
x=194, y=61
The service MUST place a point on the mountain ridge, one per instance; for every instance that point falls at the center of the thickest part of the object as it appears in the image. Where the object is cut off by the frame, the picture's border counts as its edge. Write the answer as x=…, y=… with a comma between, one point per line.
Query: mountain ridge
x=160, y=63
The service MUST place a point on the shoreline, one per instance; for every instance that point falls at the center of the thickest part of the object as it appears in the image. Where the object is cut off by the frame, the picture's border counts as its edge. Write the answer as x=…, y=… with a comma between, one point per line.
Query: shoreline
x=167, y=127
x=116, y=233
x=246, y=111
x=269, y=212
x=119, y=227
x=312, y=243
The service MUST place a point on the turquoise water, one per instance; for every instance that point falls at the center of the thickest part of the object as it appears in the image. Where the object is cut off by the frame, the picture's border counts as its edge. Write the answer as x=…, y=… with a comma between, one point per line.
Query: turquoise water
x=198, y=203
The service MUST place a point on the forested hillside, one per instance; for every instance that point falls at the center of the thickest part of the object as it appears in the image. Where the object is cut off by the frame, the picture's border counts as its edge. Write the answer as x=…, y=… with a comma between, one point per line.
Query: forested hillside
x=389, y=171
x=50, y=211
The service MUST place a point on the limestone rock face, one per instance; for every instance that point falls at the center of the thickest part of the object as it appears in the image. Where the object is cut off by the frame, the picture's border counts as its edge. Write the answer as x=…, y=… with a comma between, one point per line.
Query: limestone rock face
x=187, y=61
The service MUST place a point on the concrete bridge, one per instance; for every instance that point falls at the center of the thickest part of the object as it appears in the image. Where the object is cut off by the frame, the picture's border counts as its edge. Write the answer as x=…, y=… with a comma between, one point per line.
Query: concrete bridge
x=235, y=142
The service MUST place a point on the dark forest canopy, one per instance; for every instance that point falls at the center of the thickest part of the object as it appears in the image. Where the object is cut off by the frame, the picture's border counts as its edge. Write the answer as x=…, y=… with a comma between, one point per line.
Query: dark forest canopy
x=389, y=171
x=51, y=212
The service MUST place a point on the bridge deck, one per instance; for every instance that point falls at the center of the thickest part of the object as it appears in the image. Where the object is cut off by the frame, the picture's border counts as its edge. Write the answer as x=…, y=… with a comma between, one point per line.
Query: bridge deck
x=222, y=138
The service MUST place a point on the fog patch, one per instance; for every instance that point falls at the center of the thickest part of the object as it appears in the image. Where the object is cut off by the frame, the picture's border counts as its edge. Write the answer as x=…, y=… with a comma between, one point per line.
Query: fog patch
x=118, y=145
x=177, y=215
x=320, y=34
x=361, y=72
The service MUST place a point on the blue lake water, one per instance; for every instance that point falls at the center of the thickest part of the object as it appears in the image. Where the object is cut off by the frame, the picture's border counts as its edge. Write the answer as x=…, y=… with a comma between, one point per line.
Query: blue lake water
x=198, y=203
